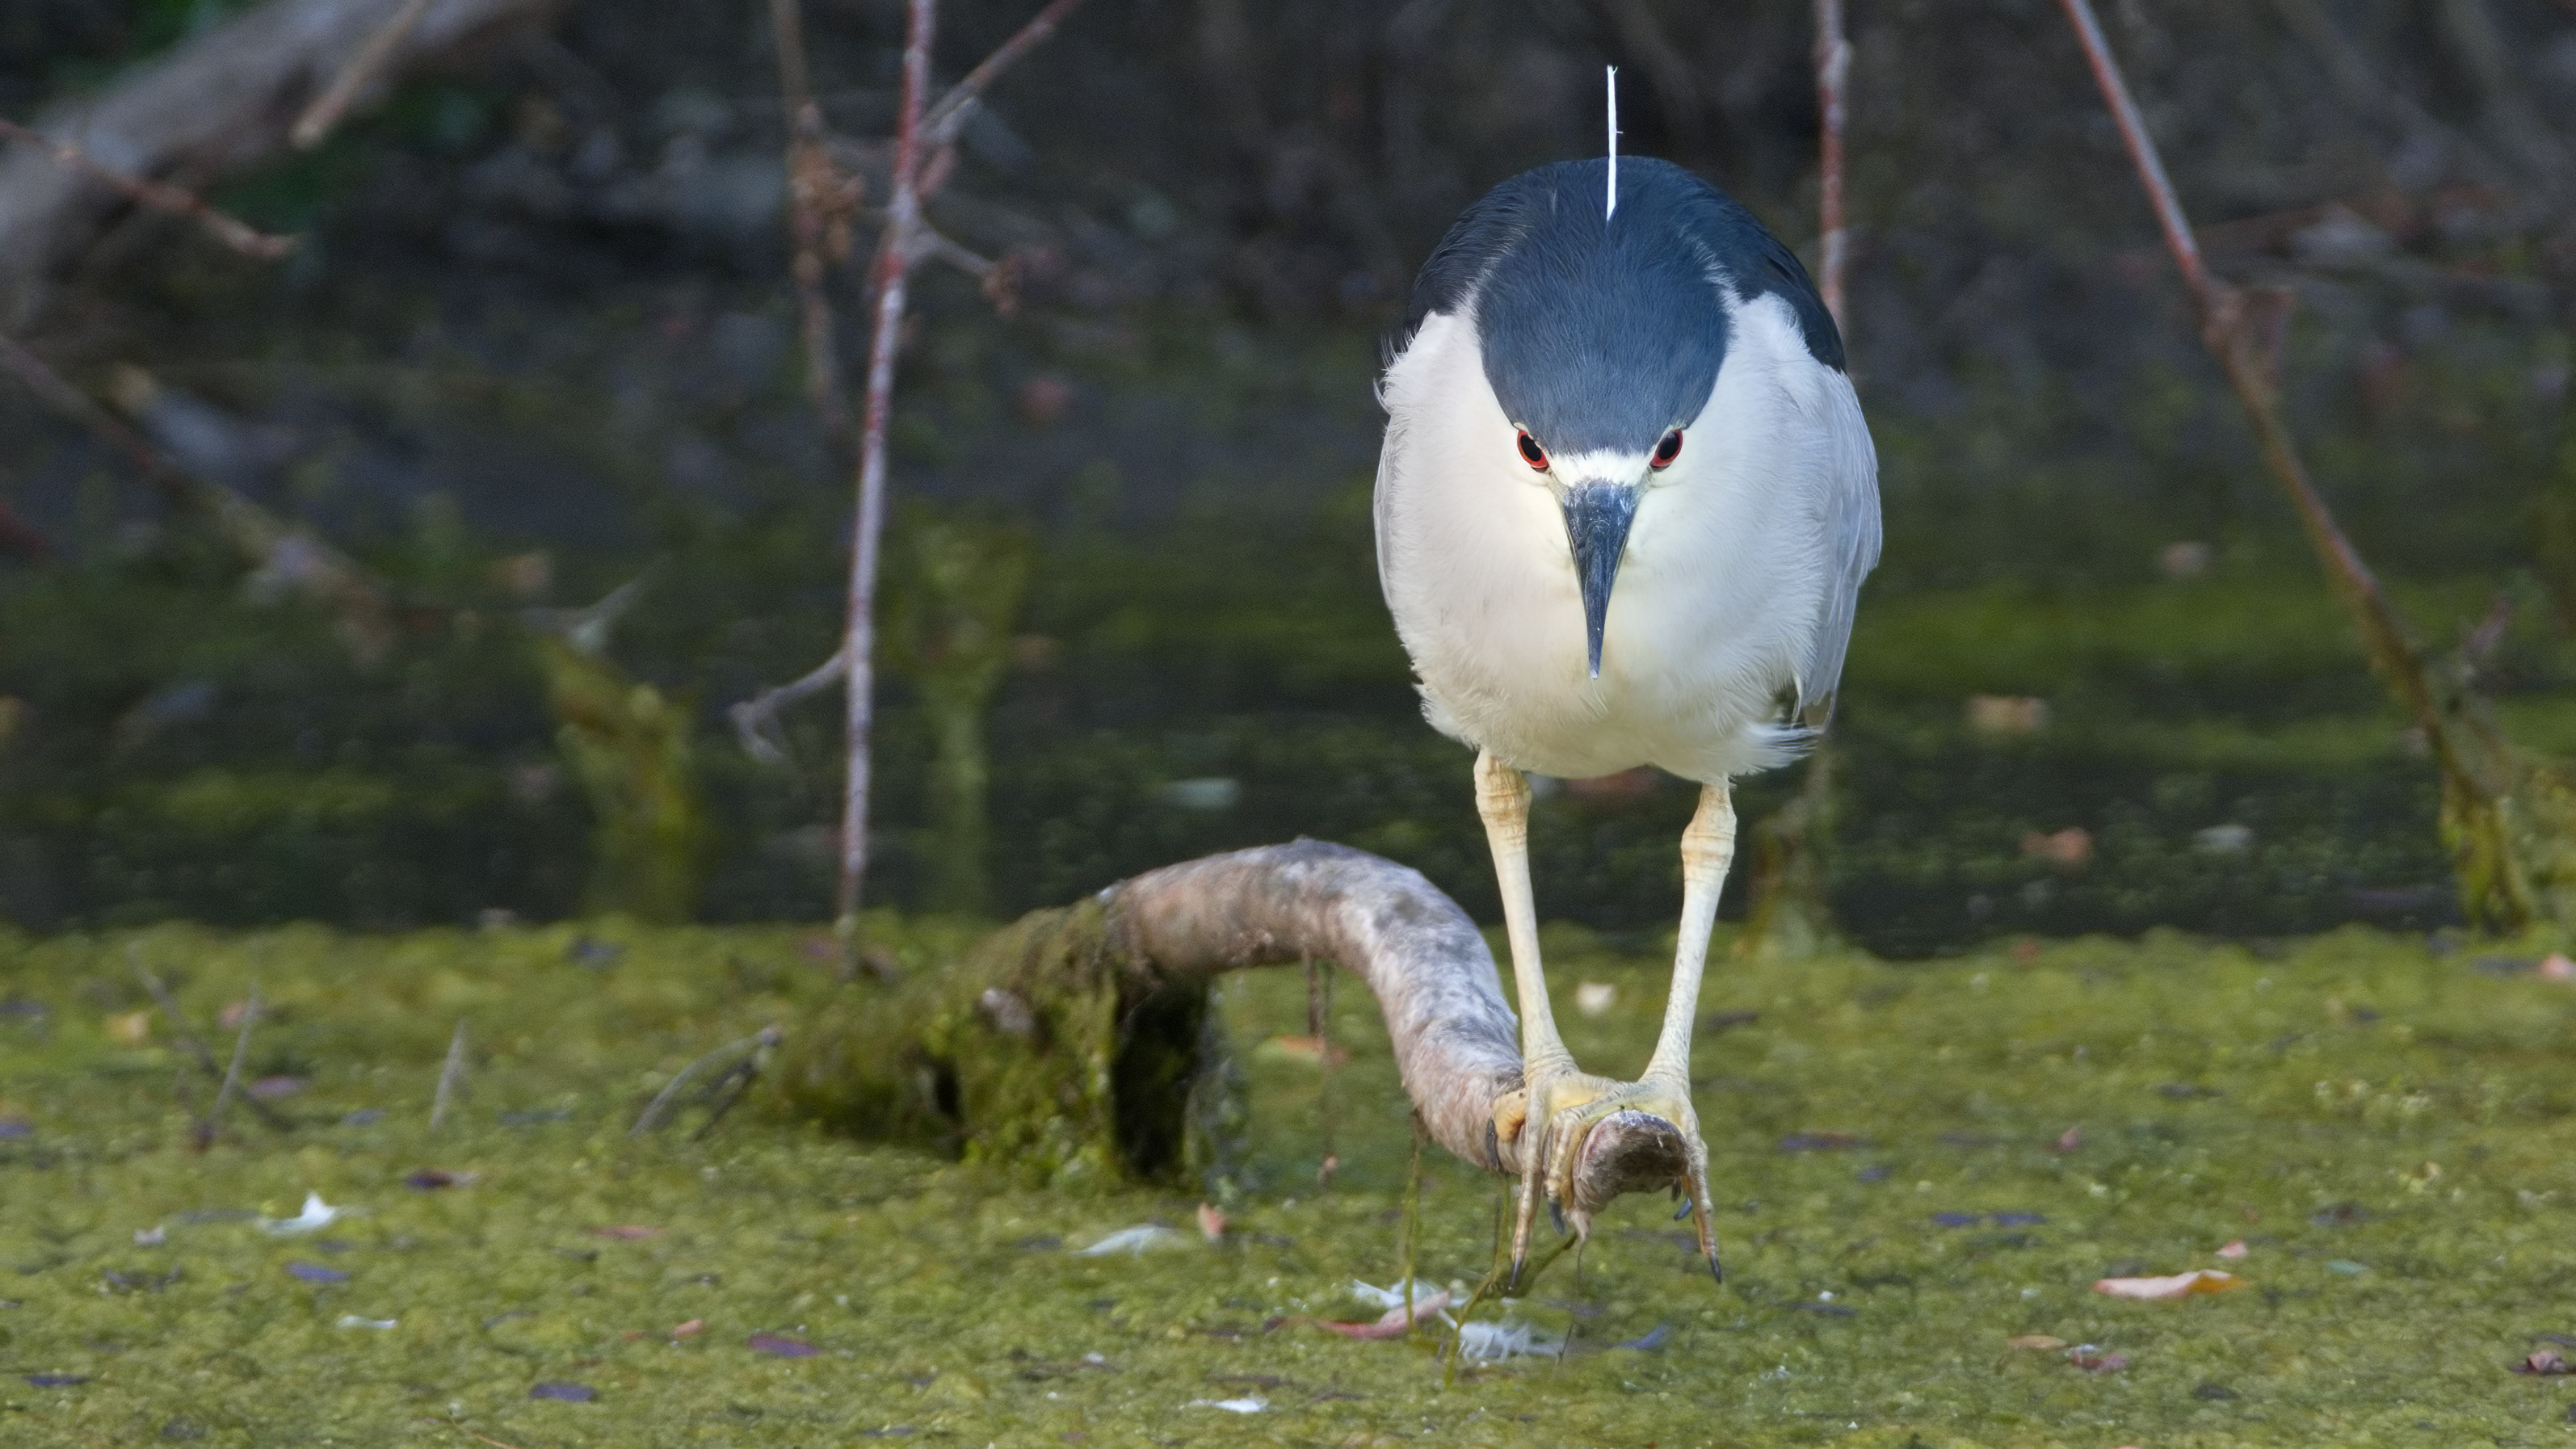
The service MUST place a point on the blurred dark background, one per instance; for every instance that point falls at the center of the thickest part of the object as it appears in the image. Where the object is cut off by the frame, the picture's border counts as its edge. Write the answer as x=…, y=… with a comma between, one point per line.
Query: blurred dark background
x=539, y=341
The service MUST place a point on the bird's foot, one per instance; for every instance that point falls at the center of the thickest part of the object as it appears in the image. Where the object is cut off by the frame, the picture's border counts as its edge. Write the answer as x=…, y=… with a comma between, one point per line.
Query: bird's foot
x=1596, y=1138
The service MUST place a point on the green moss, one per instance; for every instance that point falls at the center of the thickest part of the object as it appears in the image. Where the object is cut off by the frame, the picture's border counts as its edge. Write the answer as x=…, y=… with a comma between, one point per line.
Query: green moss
x=2347, y=1100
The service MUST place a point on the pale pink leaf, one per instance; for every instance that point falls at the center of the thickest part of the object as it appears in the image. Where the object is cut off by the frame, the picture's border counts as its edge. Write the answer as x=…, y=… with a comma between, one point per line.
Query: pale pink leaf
x=1393, y=1323
x=2172, y=1285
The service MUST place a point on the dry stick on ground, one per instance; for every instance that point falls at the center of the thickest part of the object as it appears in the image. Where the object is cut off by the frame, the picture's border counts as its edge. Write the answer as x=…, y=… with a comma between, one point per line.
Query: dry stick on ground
x=753, y=1047
x=196, y=1049
x=924, y=158
x=232, y=231
x=451, y=1077
x=261, y=538
x=362, y=70
x=2509, y=820
x=736, y=1082
x=206, y=1130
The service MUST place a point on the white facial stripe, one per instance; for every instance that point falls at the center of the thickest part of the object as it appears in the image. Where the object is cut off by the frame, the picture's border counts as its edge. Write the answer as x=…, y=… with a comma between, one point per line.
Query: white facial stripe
x=1597, y=465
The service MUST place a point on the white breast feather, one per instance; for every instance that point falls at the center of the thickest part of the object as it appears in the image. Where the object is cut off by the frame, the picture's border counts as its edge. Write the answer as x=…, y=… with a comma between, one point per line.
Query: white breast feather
x=1736, y=583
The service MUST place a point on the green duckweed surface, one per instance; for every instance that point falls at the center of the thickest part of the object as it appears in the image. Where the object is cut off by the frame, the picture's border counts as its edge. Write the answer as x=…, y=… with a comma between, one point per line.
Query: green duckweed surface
x=2386, y=1129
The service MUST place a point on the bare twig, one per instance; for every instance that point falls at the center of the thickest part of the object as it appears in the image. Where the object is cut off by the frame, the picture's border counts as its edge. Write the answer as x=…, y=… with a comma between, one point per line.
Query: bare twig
x=823, y=202
x=369, y=62
x=1833, y=66
x=2235, y=327
x=451, y=1078
x=261, y=538
x=206, y=1130
x=755, y=720
x=188, y=1042
x=820, y=198
x=886, y=279
x=753, y=1046
x=954, y=109
x=735, y=1083
x=232, y=231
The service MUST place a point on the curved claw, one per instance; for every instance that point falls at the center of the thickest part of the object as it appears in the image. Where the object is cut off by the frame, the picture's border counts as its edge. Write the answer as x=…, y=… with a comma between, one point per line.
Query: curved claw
x=1610, y=1138
x=1524, y=1216
x=1703, y=1217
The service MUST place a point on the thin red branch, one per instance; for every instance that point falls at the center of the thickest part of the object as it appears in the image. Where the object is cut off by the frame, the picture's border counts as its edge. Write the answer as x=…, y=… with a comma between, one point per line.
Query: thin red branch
x=888, y=274
x=819, y=202
x=1833, y=67
x=2142, y=151
x=2241, y=352
x=233, y=232
x=755, y=720
x=949, y=116
x=329, y=107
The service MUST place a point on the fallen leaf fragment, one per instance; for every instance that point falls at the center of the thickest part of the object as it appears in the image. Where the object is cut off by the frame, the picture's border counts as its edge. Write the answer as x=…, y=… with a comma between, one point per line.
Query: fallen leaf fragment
x=1252, y=1405
x=2547, y=1361
x=2069, y=1140
x=316, y=1216
x=1134, y=1240
x=2234, y=1250
x=1394, y=1322
x=2092, y=1360
x=2555, y=967
x=690, y=1329
x=2039, y=1342
x=2172, y=1285
x=564, y=1392
x=626, y=1232
x=1211, y=1222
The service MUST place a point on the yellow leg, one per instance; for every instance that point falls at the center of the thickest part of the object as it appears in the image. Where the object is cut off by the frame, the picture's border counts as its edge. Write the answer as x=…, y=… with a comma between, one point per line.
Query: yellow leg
x=1551, y=1085
x=1663, y=1091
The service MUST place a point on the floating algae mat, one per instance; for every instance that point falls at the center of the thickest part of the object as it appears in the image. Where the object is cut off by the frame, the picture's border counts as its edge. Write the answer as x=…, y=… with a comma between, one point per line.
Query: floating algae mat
x=1918, y=1167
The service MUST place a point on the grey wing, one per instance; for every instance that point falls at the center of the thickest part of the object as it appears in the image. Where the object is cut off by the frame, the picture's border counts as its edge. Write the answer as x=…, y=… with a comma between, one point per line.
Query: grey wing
x=1851, y=535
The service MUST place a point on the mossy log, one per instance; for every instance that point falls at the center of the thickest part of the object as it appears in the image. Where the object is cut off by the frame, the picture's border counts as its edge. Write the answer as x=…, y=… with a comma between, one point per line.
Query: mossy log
x=1073, y=1045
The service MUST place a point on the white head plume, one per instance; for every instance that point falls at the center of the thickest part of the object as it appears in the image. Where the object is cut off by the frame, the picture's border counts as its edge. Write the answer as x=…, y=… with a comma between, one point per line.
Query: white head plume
x=1611, y=209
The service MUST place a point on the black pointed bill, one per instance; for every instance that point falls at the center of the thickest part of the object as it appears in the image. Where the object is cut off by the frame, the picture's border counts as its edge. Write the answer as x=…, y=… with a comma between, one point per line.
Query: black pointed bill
x=1597, y=516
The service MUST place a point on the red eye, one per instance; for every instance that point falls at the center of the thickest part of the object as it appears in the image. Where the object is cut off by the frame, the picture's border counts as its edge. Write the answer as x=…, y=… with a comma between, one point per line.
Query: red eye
x=1667, y=450
x=1531, y=452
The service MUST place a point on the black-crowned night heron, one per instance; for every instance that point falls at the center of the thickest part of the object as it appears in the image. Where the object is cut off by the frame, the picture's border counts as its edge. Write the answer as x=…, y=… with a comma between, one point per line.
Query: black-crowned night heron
x=1624, y=507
